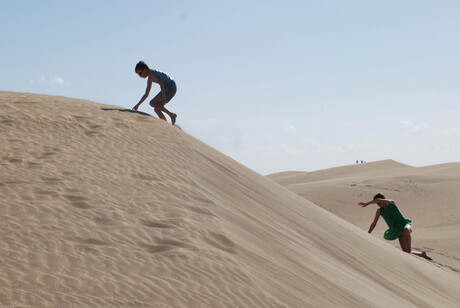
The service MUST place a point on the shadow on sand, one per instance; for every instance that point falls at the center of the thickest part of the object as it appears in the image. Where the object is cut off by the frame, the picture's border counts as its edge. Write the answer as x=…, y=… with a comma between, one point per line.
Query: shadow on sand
x=127, y=110
x=134, y=111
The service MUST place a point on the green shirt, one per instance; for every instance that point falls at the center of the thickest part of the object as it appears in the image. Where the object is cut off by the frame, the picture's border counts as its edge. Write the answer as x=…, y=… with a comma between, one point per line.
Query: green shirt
x=395, y=221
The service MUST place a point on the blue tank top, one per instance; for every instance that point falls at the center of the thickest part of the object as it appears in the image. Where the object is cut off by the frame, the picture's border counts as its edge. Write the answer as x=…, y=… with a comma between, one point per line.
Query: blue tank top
x=165, y=78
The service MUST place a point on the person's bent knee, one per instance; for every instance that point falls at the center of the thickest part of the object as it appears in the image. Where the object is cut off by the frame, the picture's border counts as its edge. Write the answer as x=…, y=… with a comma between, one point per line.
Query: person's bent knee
x=408, y=229
x=156, y=104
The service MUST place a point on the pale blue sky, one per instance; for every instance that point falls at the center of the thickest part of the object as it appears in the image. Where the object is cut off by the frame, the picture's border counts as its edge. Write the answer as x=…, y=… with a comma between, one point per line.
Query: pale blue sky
x=297, y=85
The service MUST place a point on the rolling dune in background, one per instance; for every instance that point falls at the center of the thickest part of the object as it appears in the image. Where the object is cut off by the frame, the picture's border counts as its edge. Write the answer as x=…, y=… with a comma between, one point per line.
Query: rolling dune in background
x=428, y=195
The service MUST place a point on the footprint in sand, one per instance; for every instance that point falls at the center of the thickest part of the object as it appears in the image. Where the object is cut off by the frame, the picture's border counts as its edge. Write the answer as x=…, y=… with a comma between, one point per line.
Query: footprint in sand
x=165, y=245
x=51, y=180
x=220, y=241
x=78, y=201
x=89, y=241
x=156, y=248
x=154, y=224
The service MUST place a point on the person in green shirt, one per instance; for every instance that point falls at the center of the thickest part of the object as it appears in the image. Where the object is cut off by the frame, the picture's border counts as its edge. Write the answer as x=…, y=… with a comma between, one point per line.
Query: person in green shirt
x=399, y=226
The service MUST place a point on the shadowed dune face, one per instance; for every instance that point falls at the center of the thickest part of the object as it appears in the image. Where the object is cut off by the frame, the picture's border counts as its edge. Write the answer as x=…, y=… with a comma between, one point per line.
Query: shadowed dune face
x=108, y=208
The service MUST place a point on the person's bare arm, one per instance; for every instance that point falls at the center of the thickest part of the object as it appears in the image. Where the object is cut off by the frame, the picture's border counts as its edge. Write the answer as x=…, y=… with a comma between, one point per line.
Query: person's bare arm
x=374, y=223
x=147, y=92
x=386, y=201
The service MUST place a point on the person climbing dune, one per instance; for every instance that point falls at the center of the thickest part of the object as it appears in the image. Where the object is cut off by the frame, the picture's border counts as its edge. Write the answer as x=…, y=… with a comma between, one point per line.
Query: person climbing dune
x=399, y=226
x=167, y=92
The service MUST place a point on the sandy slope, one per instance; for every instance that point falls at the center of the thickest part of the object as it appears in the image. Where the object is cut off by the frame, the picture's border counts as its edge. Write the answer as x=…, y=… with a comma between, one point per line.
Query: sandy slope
x=105, y=207
x=428, y=195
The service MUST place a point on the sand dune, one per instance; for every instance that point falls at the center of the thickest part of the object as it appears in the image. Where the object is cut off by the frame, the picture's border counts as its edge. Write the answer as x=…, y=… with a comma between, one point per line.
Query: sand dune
x=428, y=195
x=105, y=207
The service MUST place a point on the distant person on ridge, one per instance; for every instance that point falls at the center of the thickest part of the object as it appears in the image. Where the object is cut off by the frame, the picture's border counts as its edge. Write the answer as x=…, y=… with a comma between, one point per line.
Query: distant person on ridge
x=399, y=226
x=168, y=90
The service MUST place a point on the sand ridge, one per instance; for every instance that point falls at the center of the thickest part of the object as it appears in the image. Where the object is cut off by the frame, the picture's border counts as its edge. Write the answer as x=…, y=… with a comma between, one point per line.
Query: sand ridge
x=106, y=207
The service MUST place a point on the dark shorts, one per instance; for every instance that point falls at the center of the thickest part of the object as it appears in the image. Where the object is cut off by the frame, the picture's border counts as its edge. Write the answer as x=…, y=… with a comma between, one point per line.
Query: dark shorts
x=170, y=92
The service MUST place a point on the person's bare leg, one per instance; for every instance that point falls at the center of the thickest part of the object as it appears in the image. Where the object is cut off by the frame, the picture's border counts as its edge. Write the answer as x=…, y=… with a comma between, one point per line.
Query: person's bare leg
x=172, y=115
x=406, y=240
x=157, y=104
x=402, y=243
x=159, y=113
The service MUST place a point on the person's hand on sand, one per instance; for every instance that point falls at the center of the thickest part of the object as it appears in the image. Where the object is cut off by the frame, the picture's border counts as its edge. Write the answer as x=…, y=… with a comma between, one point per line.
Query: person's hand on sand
x=363, y=204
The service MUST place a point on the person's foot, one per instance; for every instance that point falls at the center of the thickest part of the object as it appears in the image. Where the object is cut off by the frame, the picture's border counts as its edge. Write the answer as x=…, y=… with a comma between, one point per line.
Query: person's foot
x=173, y=118
x=426, y=256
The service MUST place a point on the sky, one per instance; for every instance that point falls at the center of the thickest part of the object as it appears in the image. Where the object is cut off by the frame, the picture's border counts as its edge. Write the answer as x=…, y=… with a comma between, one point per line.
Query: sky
x=276, y=85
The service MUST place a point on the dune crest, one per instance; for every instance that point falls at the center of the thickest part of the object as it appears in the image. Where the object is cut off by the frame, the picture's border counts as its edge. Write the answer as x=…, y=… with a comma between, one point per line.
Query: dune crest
x=102, y=207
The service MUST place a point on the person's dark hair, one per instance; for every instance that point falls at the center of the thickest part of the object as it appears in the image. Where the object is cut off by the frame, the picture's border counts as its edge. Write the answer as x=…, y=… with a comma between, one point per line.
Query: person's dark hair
x=379, y=196
x=140, y=66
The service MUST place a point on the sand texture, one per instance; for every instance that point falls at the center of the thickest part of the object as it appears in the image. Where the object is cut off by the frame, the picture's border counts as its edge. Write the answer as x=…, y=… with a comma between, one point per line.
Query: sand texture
x=101, y=206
